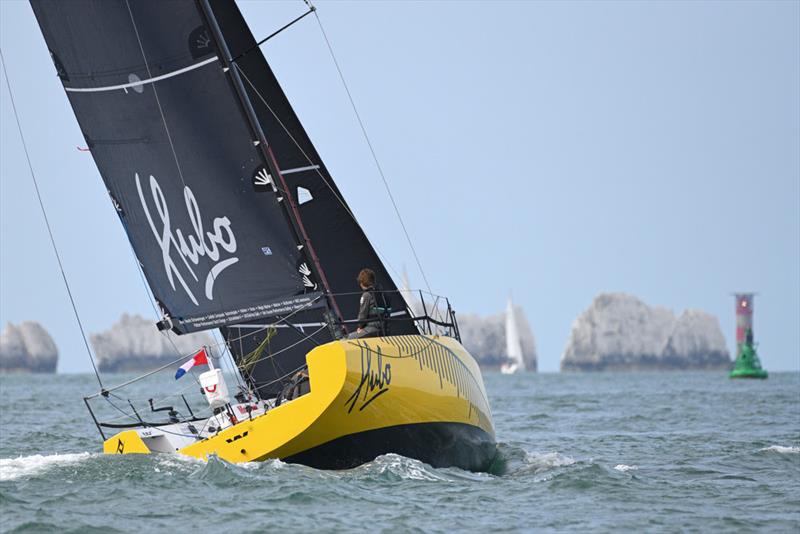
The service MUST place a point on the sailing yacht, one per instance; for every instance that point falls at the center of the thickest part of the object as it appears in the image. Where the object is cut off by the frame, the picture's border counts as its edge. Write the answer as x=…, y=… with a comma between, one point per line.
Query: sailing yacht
x=515, y=361
x=239, y=228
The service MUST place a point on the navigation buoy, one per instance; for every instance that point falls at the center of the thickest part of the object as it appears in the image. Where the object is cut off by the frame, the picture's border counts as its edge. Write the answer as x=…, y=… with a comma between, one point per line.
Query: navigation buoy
x=747, y=364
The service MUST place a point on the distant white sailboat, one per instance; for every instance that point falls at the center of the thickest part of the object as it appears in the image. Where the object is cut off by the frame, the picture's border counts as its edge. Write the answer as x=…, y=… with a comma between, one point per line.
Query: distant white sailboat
x=513, y=344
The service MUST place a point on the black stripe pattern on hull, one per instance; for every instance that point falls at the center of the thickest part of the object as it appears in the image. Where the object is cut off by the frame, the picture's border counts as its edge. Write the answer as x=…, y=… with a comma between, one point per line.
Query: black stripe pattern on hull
x=436, y=357
x=438, y=444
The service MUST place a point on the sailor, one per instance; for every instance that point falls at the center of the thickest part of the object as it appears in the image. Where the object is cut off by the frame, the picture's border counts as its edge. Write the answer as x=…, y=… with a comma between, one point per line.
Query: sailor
x=368, y=318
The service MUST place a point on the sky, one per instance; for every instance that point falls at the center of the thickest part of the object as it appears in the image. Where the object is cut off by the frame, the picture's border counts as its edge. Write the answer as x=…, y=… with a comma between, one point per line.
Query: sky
x=549, y=150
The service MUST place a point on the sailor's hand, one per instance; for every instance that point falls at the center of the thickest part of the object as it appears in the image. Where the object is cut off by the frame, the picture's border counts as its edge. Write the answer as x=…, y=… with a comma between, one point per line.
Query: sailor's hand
x=359, y=330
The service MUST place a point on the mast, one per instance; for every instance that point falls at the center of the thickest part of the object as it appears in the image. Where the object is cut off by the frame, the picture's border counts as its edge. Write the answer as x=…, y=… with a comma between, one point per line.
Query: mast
x=290, y=207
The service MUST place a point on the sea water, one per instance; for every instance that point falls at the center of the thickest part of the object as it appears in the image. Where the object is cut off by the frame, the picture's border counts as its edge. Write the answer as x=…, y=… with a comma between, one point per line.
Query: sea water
x=606, y=452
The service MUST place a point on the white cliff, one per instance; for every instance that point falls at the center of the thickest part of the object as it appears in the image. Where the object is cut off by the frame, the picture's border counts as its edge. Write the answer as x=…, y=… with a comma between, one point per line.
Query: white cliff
x=134, y=344
x=620, y=332
x=27, y=348
x=697, y=338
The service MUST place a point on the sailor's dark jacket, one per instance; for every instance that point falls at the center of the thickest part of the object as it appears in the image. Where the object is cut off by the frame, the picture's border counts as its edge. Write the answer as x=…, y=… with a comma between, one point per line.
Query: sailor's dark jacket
x=368, y=310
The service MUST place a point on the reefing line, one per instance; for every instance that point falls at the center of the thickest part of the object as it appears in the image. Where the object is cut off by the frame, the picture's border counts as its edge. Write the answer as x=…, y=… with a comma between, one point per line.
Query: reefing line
x=140, y=83
x=47, y=221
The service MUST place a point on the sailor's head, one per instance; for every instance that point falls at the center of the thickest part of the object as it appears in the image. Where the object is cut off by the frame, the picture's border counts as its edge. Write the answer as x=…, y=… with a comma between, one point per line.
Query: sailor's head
x=366, y=278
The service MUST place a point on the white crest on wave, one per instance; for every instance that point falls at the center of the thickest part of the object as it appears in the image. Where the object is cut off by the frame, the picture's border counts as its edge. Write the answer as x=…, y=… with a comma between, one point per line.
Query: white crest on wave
x=782, y=449
x=624, y=468
x=25, y=466
x=547, y=460
x=403, y=467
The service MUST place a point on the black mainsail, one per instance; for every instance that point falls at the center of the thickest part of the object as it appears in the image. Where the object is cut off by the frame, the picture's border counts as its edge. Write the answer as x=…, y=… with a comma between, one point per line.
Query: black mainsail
x=202, y=199
x=168, y=139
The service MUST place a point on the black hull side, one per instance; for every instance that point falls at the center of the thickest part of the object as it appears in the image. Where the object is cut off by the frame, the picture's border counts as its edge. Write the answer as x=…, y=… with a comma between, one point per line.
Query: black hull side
x=437, y=444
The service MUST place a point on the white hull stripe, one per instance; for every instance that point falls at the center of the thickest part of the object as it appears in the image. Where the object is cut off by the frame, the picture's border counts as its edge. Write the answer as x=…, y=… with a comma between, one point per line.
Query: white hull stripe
x=140, y=82
x=300, y=169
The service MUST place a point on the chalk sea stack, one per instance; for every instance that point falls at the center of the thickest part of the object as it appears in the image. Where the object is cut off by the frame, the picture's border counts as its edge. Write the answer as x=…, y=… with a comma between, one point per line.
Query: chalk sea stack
x=485, y=339
x=27, y=348
x=134, y=344
x=619, y=332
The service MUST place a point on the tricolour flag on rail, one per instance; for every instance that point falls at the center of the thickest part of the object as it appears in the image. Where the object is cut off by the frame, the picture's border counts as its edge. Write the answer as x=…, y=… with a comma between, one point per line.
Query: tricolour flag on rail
x=201, y=358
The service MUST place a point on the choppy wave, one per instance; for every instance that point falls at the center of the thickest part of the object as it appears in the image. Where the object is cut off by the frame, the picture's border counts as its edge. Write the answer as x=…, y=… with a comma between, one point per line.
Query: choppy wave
x=25, y=466
x=396, y=467
x=573, y=470
x=548, y=460
x=520, y=461
x=781, y=449
x=624, y=468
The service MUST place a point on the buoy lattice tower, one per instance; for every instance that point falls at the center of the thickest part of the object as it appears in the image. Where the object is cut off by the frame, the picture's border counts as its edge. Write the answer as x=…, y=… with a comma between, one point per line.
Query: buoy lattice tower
x=744, y=320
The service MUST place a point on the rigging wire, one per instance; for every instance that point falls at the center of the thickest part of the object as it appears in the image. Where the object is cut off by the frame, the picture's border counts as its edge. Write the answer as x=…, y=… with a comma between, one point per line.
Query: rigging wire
x=155, y=92
x=272, y=355
x=313, y=164
x=47, y=222
x=372, y=151
x=311, y=9
x=169, y=364
x=164, y=334
x=150, y=297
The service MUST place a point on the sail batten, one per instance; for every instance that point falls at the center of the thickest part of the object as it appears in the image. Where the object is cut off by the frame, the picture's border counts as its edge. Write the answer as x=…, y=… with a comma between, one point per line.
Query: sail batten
x=140, y=83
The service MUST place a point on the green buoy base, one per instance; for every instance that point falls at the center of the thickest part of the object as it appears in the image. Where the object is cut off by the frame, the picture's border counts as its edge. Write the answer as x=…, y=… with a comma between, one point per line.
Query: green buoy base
x=748, y=373
x=747, y=365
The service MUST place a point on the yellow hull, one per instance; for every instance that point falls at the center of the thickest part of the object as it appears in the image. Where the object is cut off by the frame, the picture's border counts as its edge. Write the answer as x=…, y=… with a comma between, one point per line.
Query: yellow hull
x=421, y=396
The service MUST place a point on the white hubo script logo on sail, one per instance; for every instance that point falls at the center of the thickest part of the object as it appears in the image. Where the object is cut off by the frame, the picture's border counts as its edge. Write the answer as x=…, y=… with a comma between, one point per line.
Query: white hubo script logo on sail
x=199, y=243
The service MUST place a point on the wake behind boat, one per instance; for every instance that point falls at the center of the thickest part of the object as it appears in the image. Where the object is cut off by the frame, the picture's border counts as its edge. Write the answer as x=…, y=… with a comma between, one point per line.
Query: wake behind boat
x=238, y=226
